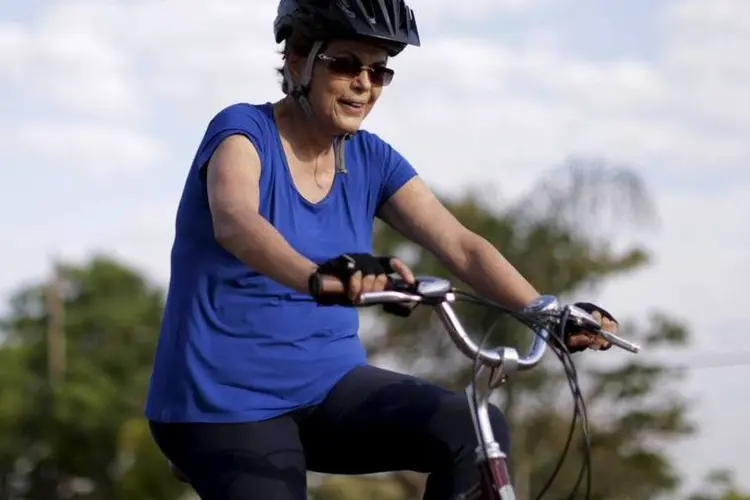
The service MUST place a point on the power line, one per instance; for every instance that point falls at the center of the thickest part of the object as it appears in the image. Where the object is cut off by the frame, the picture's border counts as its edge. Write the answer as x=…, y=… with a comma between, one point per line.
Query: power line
x=705, y=362
x=712, y=360
x=706, y=366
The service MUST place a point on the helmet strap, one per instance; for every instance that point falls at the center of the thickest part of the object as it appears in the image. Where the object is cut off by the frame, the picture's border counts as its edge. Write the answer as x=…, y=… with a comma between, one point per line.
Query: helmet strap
x=300, y=91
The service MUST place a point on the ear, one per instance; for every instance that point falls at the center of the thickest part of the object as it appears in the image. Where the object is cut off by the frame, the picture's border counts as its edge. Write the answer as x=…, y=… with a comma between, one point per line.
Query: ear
x=296, y=65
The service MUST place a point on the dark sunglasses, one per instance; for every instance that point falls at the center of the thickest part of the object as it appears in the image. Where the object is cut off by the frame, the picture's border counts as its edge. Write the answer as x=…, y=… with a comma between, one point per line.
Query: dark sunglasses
x=351, y=66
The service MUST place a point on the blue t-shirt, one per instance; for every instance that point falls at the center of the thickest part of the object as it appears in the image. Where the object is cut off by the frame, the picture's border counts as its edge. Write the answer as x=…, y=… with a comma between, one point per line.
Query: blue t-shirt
x=235, y=345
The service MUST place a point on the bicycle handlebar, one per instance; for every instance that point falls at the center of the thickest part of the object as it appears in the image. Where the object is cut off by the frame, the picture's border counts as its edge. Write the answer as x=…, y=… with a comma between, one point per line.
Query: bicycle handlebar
x=541, y=316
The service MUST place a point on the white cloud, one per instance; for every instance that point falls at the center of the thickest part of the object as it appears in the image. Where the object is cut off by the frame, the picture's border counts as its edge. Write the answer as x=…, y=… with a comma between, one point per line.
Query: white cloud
x=93, y=147
x=119, y=59
x=111, y=87
x=143, y=239
x=13, y=49
x=429, y=12
x=545, y=104
x=707, y=59
x=701, y=251
x=67, y=59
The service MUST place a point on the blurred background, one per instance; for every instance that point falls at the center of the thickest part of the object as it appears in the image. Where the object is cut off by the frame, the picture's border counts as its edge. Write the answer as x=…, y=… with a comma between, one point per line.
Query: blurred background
x=602, y=146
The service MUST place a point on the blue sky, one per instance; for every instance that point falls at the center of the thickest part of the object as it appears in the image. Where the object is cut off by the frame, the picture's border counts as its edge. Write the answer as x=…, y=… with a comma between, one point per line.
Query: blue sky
x=105, y=103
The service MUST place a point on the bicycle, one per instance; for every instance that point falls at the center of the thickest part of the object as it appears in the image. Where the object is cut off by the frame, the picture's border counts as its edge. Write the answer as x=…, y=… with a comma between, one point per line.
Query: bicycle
x=542, y=316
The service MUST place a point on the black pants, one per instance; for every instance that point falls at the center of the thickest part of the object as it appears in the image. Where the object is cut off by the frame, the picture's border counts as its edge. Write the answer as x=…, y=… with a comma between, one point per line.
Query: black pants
x=374, y=420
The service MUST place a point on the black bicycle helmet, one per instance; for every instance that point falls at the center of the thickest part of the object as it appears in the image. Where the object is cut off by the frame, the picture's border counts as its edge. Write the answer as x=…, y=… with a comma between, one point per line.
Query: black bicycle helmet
x=389, y=21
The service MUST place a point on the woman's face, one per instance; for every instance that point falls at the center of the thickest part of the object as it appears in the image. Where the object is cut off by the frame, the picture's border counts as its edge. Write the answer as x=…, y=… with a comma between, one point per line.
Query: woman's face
x=342, y=92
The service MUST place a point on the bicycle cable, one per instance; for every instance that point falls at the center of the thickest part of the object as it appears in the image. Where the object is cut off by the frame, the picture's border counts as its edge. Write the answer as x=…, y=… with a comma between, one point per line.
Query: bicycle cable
x=579, y=409
x=556, y=344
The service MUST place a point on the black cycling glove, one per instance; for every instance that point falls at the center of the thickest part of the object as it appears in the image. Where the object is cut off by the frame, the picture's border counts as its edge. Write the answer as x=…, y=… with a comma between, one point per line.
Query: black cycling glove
x=573, y=330
x=344, y=267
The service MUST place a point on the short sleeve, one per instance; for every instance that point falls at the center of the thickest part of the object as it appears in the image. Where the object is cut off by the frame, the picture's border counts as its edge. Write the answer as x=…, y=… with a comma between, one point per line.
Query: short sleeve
x=397, y=170
x=242, y=119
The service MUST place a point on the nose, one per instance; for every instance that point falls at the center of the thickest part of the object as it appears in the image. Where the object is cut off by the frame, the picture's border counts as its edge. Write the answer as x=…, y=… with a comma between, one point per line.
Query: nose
x=363, y=81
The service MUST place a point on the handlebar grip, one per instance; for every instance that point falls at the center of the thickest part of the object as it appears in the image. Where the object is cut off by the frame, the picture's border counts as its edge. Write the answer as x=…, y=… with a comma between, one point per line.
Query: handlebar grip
x=321, y=284
x=620, y=342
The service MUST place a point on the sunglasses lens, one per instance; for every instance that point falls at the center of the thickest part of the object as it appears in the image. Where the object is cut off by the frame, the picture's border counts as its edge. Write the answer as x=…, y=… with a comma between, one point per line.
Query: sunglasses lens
x=352, y=67
x=346, y=66
x=382, y=76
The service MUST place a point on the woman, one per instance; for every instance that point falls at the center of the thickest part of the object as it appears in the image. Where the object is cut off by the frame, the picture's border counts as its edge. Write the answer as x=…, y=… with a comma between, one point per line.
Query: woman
x=255, y=381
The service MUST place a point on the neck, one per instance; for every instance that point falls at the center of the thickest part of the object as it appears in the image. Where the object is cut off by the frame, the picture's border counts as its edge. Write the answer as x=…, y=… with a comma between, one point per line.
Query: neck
x=306, y=137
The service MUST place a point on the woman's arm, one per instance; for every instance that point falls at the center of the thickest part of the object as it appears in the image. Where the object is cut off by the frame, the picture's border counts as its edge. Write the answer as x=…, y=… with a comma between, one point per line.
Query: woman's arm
x=416, y=213
x=233, y=195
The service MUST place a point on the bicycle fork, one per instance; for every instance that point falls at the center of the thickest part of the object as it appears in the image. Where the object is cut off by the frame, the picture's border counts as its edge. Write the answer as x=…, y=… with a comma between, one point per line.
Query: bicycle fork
x=490, y=458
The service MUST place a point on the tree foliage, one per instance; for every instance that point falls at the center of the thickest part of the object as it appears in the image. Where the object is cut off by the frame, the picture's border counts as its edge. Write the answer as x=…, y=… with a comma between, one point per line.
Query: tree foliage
x=720, y=485
x=79, y=433
x=552, y=237
x=76, y=358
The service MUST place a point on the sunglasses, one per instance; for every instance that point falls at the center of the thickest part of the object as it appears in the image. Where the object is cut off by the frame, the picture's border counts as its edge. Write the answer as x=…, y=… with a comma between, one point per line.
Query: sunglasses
x=351, y=67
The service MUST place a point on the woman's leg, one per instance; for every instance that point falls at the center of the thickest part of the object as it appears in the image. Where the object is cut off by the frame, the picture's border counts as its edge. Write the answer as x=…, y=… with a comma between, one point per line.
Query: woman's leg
x=377, y=420
x=247, y=461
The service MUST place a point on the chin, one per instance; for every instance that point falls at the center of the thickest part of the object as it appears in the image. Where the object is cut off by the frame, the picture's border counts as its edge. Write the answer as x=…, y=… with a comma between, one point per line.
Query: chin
x=347, y=126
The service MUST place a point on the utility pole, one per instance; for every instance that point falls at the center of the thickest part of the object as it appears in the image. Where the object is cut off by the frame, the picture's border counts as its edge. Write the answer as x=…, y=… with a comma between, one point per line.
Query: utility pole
x=55, y=330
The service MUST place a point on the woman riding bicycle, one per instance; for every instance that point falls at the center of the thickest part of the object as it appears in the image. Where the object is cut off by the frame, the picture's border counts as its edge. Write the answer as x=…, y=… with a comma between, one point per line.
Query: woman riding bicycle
x=258, y=379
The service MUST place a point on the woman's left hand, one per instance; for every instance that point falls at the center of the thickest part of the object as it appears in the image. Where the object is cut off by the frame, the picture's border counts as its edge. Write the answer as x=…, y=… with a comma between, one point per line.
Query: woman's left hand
x=582, y=339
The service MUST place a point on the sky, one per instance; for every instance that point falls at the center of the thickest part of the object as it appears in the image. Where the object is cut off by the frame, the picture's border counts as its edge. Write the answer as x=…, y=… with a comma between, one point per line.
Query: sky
x=103, y=104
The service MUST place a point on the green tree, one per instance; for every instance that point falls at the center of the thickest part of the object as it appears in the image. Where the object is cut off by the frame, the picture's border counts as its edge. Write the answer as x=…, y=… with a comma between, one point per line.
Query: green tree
x=73, y=418
x=554, y=237
x=71, y=413
x=720, y=485
x=13, y=408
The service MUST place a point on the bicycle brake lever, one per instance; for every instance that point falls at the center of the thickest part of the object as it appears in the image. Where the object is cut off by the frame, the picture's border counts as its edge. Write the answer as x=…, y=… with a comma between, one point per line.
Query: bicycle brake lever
x=582, y=318
x=397, y=309
x=586, y=320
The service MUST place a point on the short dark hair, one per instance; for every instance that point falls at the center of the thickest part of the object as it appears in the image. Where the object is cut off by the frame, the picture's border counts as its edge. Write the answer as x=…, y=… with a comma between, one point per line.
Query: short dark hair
x=297, y=44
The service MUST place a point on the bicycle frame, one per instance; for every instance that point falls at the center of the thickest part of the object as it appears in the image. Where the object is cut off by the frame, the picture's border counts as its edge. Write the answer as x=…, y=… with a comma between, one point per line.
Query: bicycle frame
x=543, y=314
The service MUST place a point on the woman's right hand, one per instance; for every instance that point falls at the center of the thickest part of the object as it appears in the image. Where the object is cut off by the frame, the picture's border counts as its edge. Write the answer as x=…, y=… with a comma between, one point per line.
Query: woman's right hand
x=342, y=280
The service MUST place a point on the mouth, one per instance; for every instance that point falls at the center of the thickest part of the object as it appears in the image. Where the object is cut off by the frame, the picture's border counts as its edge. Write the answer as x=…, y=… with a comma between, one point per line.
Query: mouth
x=352, y=104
